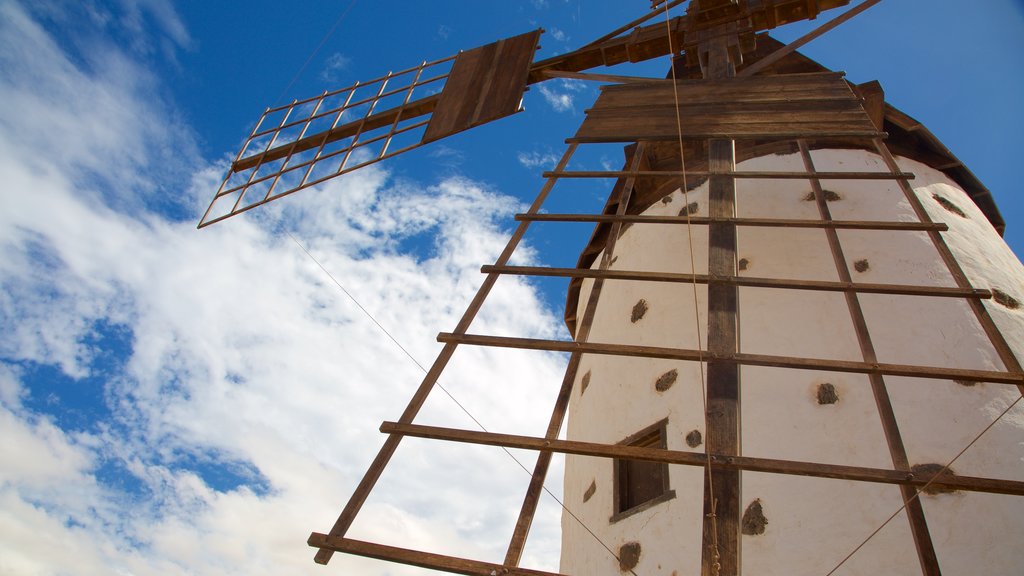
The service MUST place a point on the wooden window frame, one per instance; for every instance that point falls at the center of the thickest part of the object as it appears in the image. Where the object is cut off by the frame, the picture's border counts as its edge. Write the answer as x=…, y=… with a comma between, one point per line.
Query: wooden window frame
x=653, y=436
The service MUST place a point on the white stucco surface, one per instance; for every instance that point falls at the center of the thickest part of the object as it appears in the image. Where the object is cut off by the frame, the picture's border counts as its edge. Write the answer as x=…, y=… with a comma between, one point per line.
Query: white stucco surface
x=812, y=523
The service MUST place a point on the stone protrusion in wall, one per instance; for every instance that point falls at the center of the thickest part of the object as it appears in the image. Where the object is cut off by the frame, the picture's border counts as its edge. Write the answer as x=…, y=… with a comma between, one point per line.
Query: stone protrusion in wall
x=666, y=380
x=827, y=394
x=945, y=203
x=639, y=309
x=967, y=383
x=667, y=199
x=689, y=209
x=743, y=264
x=590, y=491
x=926, y=471
x=1005, y=299
x=629, y=556
x=753, y=521
x=694, y=438
x=861, y=265
x=830, y=196
x=584, y=382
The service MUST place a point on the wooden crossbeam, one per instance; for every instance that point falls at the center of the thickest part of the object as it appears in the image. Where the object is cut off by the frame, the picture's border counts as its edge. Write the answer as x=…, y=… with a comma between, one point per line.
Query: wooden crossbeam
x=742, y=281
x=409, y=557
x=759, y=222
x=718, y=461
x=761, y=174
x=904, y=370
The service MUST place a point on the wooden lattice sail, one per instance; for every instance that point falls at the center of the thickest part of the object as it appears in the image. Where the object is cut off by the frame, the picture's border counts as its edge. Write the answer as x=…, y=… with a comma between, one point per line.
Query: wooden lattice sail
x=784, y=328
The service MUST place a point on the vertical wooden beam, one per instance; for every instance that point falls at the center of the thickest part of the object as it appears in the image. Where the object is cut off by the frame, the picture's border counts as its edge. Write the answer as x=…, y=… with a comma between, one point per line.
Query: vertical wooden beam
x=525, y=521
x=720, y=550
x=890, y=428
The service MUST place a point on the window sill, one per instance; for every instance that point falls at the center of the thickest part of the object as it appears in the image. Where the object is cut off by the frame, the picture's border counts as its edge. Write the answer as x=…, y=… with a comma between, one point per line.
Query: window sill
x=665, y=497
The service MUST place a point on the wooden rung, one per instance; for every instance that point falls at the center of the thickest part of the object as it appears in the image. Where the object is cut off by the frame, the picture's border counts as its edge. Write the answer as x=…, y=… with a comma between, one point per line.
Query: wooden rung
x=743, y=281
x=761, y=222
x=903, y=370
x=853, y=134
x=409, y=557
x=751, y=174
x=719, y=462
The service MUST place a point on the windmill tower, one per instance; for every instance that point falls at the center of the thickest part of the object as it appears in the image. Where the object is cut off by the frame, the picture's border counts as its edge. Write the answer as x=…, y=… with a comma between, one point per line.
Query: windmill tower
x=795, y=327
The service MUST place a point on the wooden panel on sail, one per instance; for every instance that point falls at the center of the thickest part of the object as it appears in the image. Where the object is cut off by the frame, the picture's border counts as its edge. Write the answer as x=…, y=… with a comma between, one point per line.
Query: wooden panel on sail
x=485, y=84
x=795, y=105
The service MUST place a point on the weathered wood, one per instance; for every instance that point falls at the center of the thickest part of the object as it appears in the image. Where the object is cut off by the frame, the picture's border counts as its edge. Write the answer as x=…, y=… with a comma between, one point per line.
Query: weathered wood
x=796, y=44
x=720, y=461
x=890, y=427
x=743, y=281
x=762, y=132
x=409, y=557
x=748, y=174
x=485, y=84
x=758, y=222
x=384, y=455
x=907, y=370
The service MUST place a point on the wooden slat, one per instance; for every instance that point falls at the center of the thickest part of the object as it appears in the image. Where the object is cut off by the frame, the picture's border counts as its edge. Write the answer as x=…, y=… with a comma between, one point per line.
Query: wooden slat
x=485, y=84
x=759, y=222
x=749, y=174
x=409, y=557
x=906, y=370
x=743, y=281
x=719, y=461
x=762, y=132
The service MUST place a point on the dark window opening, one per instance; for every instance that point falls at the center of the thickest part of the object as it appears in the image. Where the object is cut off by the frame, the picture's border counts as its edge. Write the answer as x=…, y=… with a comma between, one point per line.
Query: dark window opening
x=640, y=484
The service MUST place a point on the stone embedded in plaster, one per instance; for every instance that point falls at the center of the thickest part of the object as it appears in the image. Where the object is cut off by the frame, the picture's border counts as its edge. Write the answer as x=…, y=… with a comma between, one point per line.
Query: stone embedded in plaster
x=753, y=521
x=694, y=438
x=689, y=209
x=926, y=472
x=629, y=556
x=1005, y=299
x=639, y=309
x=667, y=199
x=590, y=491
x=743, y=264
x=827, y=393
x=861, y=265
x=945, y=203
x=830, y=196
x=584, y=382
x=666, y=380
x=967, y=383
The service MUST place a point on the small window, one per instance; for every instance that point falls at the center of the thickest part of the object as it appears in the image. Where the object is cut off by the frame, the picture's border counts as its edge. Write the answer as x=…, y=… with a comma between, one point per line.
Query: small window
x=641, y=484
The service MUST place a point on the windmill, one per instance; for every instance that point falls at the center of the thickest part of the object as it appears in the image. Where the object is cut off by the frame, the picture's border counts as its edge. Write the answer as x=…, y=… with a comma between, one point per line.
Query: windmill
x=773, y=236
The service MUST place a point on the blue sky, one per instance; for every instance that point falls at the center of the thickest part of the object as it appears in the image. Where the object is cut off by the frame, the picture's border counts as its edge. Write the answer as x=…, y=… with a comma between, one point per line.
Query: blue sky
x=174, y=400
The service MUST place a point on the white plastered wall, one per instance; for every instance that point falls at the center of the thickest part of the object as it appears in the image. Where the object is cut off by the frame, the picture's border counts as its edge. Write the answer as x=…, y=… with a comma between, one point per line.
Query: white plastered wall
x=812, y=523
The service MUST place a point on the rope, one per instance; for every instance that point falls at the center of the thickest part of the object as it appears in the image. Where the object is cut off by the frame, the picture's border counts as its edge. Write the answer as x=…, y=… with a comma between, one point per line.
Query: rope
x=715, y=553
x=314, y=52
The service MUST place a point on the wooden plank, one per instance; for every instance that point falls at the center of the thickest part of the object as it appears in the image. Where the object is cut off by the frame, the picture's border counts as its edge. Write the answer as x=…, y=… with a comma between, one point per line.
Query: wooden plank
x=409, y=557
x=657, y=133
x=811, y=108
x=747, y=174
x=890, y=427
x=369, y=480
x=743, y=281
x=759, y=222
x=722, y=461
x=828, y=365
x=485, y=84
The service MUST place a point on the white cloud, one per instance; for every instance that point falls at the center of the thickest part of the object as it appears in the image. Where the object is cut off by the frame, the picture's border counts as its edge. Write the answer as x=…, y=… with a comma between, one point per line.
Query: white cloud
x=536, y=159
x=560, y=94
x=242, y=350
x=559, y=35
x=334, y=64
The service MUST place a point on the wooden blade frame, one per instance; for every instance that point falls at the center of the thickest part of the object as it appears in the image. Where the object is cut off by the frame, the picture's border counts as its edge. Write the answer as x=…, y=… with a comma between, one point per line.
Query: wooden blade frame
x=900, y=474
x=309, y=141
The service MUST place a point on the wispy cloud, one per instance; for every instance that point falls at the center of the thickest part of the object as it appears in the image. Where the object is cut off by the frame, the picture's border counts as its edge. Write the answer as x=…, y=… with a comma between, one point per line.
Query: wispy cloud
x=333, y=66
x=241, y=358
x=560, y=94
x=536, y=159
